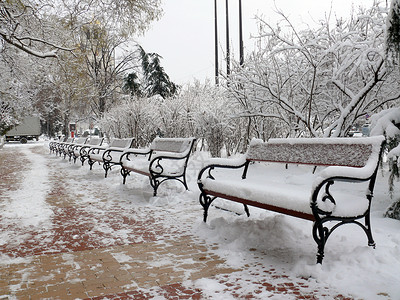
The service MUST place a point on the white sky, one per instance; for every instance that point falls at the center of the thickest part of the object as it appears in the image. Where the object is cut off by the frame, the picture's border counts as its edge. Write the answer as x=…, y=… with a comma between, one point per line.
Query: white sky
x=184, y=36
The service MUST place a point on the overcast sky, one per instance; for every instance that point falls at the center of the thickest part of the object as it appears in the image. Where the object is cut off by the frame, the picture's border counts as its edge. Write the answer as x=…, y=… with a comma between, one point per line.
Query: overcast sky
x=184, y=36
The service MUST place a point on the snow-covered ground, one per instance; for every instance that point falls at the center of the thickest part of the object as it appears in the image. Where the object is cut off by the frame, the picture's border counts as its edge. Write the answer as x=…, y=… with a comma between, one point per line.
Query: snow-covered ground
x=266, y=239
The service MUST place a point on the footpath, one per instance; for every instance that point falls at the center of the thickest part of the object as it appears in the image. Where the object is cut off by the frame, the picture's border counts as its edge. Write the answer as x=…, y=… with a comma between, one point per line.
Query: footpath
x=89, y=242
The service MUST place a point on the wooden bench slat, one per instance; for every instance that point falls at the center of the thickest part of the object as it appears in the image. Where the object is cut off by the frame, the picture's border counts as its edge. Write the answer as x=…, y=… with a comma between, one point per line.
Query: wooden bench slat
x=282, y=210
x=338, y=152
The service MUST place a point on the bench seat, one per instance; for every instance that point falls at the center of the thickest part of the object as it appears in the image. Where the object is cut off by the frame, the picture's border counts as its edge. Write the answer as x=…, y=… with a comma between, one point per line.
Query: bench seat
x=165, y=159
x=141, y=165
x=290, y=192
x=109, y=155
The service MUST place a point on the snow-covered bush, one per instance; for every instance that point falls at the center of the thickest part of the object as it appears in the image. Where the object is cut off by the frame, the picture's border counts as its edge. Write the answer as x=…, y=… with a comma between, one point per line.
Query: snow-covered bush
x=320, y=80
x=387, y=122
x=134, y=117
x=199, y=110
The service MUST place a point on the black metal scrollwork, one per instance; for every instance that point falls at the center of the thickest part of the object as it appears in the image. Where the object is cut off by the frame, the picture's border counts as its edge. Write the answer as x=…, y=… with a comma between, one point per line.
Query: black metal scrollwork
x=158, y=168
x=206, y=201
x=209, y=173
x=327, y=196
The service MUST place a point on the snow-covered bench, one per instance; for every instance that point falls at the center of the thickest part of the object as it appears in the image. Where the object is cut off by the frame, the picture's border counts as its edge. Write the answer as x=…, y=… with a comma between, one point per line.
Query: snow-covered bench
x=278, y=175
x=109, y=155
x=81, y=151
x=60, y=146
x=54, y=143
x=165, y=159
x=69, y=149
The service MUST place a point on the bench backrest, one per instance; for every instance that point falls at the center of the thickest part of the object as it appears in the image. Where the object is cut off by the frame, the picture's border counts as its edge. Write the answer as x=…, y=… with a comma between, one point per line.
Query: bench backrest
x=353, y=152
x=69, y=140
x=177, y=145
x=80, y=141
x=122, y=143
x=95, y=141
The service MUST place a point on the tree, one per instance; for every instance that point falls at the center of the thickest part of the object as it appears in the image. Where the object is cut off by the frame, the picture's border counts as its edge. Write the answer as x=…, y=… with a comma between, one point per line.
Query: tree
x=317, y=81
x=387, y=122
x=393, y=33
x=157, y=82
x=132, y=86
x=25, y=23
x=40, y=29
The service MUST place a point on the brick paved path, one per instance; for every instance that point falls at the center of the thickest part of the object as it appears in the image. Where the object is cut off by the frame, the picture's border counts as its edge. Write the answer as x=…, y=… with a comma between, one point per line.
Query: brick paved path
x=98, y=243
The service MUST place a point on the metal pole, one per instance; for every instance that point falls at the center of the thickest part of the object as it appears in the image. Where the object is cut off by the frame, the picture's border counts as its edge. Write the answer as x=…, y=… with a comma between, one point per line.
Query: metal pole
x=228, y=59
x=241, y=34
x=216, y=42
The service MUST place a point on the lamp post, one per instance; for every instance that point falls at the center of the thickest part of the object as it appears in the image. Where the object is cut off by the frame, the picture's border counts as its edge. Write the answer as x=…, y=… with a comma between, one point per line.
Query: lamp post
x=241, y=53
x=228, y=54
x=216, y=42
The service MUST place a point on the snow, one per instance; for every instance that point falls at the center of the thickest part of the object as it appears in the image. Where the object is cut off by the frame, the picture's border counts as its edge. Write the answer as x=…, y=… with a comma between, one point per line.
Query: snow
x=266, y=183
x=171, y=144
x=175, y=148
x=21, y=207
x=264, y=240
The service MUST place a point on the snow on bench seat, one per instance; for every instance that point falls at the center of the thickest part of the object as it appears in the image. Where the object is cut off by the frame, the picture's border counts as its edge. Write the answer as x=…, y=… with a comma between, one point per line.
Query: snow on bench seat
x=340, y=190
x=82, y=151
x=279, y=189
x=165, y=159
x=109, y=155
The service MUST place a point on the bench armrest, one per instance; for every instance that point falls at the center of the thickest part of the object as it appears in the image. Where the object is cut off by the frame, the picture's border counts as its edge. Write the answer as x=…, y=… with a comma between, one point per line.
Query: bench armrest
x=134, y=151
x=84, y=150
x=108, y=153
x=159, y=162
x=330, y=175
x=213, y=163
x=99, y=148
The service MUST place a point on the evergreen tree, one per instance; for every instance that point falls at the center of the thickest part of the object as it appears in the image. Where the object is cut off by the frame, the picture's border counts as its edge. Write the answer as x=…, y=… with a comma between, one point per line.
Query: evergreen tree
x=157, y=82
x=393, y=33
x=131, y=85
x=393, y=58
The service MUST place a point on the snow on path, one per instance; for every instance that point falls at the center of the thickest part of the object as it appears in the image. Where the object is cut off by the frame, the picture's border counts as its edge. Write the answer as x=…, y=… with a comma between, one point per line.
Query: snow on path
x=270, y=249
x=20, y=208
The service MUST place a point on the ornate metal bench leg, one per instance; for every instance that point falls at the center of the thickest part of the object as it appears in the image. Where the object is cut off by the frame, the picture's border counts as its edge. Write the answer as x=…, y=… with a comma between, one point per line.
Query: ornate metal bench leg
x=154, y=183
x=320, y=235
x=368, y=231
x=124, y=173
x=184, y=181
x=90, y=162
x=205, y=201
x=106, y=167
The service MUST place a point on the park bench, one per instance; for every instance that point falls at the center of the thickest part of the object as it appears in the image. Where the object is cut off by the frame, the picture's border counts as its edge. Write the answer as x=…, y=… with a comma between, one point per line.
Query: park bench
x=60, y=146
x=319, y=195
x=78, y=142
x=165, y=159
x=81, y=151
x=54, y=143
x=109, y=155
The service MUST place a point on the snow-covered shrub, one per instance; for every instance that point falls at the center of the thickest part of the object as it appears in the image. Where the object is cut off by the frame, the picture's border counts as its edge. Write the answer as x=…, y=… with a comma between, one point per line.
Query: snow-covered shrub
x=212, y=117
x=134, y=117
x=387, y=122
x=320, y=80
